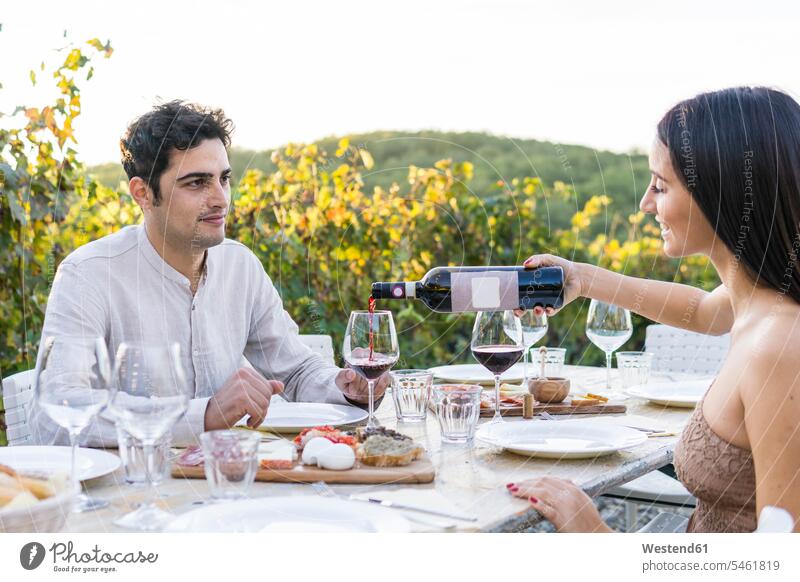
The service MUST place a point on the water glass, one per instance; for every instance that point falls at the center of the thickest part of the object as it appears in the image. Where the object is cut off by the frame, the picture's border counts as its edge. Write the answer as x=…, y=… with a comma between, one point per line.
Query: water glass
x=131, y=452
x=553, y=362
x=458, y=407
x=231, y=461
x=634, y=367
x=411, y=391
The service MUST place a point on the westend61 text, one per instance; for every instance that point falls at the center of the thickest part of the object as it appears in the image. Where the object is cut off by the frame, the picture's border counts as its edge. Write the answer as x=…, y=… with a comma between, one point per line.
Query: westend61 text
x=65, y=553
x=667, y=549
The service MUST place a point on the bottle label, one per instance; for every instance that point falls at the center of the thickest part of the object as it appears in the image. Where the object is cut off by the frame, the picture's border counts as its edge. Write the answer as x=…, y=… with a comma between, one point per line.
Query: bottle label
x=484, y=291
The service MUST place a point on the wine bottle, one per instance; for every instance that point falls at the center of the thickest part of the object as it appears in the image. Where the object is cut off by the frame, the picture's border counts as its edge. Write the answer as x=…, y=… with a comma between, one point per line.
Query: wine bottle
x=458, y=289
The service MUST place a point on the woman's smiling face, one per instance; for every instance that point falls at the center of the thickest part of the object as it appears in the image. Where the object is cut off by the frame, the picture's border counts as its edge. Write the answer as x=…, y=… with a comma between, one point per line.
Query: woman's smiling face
x=684, y=227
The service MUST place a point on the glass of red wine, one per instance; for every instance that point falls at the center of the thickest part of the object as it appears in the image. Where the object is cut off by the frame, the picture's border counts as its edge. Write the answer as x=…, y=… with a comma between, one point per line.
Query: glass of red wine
x=371, y=349
x=497, y=345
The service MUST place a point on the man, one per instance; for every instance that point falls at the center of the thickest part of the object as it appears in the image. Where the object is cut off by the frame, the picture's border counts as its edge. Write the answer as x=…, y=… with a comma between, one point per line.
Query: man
x=175, y=278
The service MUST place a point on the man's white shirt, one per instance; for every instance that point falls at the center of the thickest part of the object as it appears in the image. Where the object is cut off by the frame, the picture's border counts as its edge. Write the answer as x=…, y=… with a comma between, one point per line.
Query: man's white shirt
x=119, y=288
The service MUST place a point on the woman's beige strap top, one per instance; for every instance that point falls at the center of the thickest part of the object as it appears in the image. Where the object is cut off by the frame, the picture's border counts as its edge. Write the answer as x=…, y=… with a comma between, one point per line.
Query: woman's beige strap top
x=720, y=475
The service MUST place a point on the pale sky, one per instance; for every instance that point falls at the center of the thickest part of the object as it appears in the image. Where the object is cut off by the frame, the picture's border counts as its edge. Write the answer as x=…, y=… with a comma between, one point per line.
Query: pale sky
x=593, y=73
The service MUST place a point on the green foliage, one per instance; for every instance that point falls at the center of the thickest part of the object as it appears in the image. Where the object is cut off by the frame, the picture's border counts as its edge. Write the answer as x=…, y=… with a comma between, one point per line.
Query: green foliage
x=47, y=205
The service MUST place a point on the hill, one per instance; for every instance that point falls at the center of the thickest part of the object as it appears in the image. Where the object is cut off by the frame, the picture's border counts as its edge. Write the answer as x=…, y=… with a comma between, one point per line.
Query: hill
x=588, y=171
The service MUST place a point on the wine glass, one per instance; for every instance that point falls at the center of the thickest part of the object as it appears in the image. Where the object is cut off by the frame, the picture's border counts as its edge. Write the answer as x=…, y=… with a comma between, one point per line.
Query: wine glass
x=149, y=395
x=534, y=328
x=72, y=387
x=497, y=345
x=608, y=327
x=371, y=349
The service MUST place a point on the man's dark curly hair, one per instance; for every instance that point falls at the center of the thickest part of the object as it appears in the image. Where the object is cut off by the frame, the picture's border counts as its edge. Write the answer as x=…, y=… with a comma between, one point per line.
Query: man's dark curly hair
x=148, y=141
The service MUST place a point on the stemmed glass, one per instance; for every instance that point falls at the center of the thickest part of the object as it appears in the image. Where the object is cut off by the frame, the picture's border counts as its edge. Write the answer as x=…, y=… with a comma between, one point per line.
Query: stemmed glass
x=497, y=345
x=608, y=327
x=72, y=387
x=534, y=328
x=148, y=397
x=371, y=349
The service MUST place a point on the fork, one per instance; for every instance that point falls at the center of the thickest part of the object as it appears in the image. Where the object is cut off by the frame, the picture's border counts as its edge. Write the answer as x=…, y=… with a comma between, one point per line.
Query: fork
x=324, y=490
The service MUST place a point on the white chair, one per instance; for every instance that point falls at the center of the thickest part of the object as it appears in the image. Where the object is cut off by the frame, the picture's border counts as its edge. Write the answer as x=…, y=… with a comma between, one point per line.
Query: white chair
x=320, y=344
x=17, y=396
x=674, y=350
x=678, y=350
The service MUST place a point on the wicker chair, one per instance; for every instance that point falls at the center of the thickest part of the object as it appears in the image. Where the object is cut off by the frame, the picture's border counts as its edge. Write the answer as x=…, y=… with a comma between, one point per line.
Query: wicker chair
x=17, y=393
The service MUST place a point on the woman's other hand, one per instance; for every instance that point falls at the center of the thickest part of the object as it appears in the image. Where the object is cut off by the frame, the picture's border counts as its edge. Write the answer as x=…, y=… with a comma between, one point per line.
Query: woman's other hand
x=562, y=503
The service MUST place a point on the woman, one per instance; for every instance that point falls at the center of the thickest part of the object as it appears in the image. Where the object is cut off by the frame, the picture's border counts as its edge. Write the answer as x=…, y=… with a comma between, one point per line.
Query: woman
x=726, y=184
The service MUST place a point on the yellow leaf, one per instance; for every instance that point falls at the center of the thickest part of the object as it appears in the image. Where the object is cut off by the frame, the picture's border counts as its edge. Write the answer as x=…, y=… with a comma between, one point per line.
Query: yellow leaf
x=366, y=158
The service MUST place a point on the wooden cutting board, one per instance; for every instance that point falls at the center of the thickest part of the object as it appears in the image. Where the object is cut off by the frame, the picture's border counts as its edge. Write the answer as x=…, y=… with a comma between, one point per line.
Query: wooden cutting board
x=420, y=471
x=560, y=408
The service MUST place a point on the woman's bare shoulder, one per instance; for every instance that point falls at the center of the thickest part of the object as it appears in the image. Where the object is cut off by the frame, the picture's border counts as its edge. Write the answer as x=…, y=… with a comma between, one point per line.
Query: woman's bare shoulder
x=770, y=381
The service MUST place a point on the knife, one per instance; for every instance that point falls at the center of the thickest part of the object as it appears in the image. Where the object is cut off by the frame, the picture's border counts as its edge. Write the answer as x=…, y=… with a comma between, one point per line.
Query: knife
x=395, y=505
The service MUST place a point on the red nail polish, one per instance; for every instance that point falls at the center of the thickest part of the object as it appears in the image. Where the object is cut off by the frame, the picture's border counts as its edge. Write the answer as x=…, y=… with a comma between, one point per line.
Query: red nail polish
x=509, y=485
x=514, y=489
x=533, y=499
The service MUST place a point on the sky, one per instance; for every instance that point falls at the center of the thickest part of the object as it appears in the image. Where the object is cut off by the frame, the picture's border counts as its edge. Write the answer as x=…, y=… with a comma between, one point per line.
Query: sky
x=578, y=72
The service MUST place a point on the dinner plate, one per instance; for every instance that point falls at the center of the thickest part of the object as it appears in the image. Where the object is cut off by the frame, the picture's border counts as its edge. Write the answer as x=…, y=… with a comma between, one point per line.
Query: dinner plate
x=476, y=374
x=289, y=417
x=300, y=514
x=685, y=394
x=560, y=439
x=90, y=463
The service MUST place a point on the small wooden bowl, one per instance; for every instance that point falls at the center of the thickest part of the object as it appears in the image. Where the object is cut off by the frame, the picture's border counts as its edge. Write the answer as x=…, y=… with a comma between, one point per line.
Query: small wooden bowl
x=549, y=390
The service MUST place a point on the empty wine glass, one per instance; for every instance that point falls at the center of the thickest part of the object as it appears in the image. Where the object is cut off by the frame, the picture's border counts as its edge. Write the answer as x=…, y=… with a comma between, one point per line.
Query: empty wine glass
x=72, y=387
x=534, y=328
x=608, y=327
x=149, y=395
x=497, y=345
x=371, y=349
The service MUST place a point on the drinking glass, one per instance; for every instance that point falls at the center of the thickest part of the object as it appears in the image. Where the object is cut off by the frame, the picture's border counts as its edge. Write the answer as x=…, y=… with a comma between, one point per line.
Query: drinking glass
x=149, y=395
x=230, y=461
x=534, y=328
x=608, y=327
x=134, y=464
x=411, y=391
x=554, y=359
x=634, y=367
x=458, y=407
x=72, y=387
x=497, y=345
x=371, y=349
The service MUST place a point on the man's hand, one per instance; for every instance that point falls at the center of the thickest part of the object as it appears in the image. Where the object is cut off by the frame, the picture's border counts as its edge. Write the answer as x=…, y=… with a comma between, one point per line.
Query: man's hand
x=355, y=387
x=246, y=392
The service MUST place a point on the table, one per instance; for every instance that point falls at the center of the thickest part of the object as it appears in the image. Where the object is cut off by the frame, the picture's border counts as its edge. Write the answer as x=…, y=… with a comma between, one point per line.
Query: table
x=473, y=478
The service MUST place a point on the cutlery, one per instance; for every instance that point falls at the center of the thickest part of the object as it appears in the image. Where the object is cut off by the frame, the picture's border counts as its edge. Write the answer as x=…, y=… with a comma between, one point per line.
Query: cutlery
x=324, y=490
x=395, y=505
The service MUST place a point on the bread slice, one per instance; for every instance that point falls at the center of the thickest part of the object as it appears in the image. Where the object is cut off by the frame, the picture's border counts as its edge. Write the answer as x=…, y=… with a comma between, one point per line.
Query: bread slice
x=579, y=401
x=384, y=451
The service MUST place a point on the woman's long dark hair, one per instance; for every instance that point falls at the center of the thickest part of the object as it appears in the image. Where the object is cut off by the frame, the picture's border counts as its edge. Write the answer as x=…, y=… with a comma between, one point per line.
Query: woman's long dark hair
x=738, y=153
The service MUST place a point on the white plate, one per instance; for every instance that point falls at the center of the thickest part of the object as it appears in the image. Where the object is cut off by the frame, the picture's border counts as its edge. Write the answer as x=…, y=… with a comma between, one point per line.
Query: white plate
x=299, y=514
x=684, y=394
x=290, y=417
x=560, y=439
x=476, y=374
x=90, y=463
